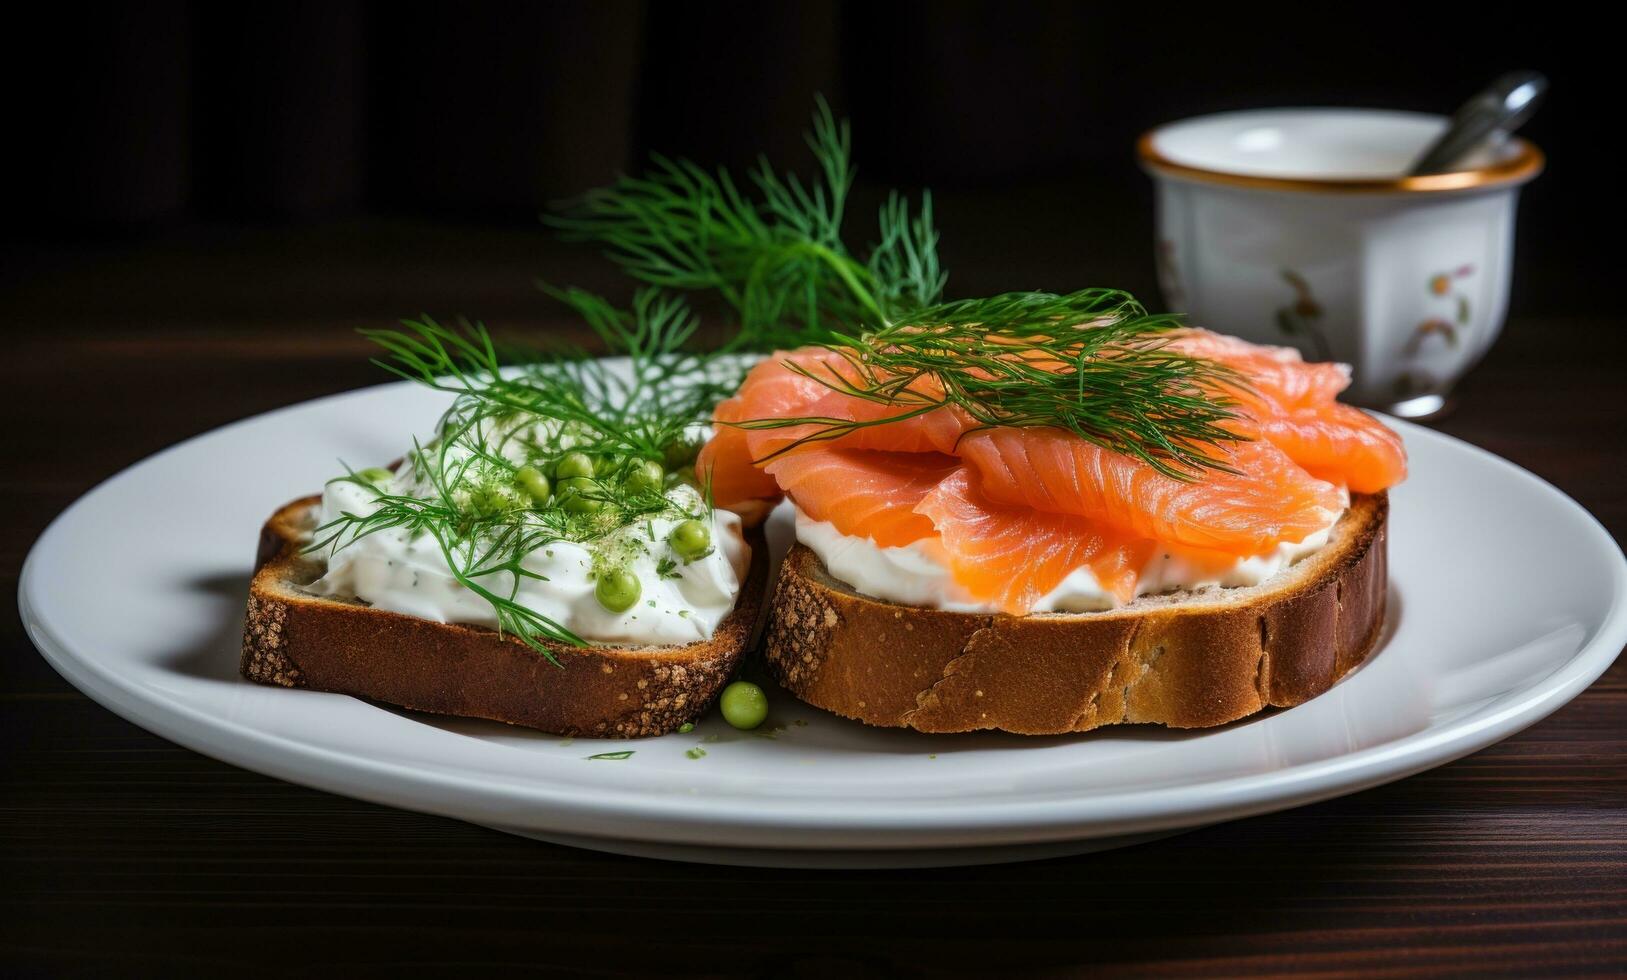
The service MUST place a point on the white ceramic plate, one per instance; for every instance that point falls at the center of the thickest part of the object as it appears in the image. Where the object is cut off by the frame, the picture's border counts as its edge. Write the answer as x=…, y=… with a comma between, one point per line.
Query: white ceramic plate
x=1507, y=600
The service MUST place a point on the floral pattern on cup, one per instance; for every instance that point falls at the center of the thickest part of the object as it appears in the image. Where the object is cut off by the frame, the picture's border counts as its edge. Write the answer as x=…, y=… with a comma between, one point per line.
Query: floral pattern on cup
x=1446, y=286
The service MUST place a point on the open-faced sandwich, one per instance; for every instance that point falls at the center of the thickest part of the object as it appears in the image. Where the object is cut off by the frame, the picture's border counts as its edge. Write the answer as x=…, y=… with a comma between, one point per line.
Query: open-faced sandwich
x=1032, y=512
x=544, y=557
x=1046, y=514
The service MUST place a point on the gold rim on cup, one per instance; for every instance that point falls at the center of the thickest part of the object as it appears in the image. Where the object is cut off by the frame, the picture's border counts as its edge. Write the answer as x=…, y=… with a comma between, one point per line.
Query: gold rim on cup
x=1518, y=168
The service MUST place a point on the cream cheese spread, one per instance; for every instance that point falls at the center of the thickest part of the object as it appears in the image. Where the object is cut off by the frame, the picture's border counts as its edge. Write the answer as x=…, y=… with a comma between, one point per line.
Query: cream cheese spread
x=917, y=574
x=680, y=601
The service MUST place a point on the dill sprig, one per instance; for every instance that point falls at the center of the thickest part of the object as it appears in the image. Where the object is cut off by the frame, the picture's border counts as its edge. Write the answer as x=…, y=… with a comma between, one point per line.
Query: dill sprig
x=779, y=259
x=465, y=495
x=1092, y=363
x=643, y=411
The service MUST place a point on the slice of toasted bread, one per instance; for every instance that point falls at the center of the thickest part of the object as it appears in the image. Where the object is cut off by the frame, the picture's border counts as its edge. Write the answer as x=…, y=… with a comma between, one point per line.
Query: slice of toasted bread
x=294, y=638
x=1186, y=660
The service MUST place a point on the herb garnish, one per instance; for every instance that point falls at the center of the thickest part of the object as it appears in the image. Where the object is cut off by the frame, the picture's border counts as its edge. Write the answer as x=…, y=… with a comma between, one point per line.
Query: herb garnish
x=779, y=260
x=1091, y=362
x=466, y=495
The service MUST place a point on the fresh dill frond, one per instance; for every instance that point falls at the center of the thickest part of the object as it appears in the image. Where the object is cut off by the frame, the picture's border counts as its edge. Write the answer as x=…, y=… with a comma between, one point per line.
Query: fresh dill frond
x=645, y=410
x=904, y=264
x=778, y=259
x=1093, y=363
x=466, y=488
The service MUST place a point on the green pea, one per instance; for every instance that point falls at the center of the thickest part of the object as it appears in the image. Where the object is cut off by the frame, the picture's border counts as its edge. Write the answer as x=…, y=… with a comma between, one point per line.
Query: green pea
x=580, y=495
x=533, y=483
x=376, y=475
x=690, y=539
x=617, y=590
x=645, y=476
x=573, y=465
x=744, y=705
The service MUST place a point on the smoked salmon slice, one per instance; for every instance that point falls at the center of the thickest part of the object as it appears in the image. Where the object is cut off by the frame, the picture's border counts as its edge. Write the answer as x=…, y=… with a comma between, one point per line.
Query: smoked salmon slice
x=771, y=389
x=864, y=493
x=1015, y=509
x=1268, y=500
x=936, y=430
x=725, y=462
x=1011, y=557
x=1292, y=405
x=1341, y=444
x=1279, y=374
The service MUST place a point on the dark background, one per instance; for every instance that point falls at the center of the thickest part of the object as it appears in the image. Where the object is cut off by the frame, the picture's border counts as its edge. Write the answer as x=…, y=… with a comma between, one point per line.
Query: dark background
x=205, y=200
x=386, y=134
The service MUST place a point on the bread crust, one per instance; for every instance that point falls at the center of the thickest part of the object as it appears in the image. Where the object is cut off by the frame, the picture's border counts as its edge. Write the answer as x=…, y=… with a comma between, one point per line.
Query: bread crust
x=1194, y=661
x=293, y=638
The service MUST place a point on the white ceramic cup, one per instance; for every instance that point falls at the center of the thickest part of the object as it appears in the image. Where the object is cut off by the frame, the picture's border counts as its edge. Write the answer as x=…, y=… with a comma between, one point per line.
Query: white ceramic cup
x=1296, y=227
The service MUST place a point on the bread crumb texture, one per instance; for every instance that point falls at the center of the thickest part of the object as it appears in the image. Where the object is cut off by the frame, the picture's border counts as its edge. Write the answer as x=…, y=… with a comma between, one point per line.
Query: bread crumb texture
x=801, y=621
x=264, y=657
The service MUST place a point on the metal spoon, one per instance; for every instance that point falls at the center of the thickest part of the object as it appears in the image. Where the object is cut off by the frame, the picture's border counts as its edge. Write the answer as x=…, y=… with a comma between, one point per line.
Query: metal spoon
x=1500, y=108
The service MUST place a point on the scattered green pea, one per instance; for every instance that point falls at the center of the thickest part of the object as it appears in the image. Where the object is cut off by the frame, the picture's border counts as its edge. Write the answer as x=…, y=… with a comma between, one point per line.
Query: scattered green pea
x=690, y=539
x=534, y=484
x=579, y=495
x=376, y=475
x=617, y=589
x=744, y=705
x=573, y=465
x=645, y=476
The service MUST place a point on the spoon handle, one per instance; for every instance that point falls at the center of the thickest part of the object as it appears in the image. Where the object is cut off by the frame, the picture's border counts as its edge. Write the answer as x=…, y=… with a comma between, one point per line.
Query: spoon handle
x=1502, y=107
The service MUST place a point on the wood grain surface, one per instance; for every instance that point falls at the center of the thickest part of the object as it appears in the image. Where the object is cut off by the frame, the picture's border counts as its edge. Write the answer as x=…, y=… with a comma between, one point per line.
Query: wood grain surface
x=123, y=854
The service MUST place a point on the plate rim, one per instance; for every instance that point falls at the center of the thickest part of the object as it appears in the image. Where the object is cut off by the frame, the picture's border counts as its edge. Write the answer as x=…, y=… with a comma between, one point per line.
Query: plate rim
x=901, y=824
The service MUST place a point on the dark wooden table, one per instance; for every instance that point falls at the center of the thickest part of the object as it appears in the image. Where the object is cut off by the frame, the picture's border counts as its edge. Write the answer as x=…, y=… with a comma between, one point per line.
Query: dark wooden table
x=122, y=853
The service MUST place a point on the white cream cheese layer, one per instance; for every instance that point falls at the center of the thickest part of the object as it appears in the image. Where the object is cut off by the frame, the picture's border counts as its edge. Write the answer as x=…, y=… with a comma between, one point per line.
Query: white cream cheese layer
x=681, y=602
x=918, y=575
